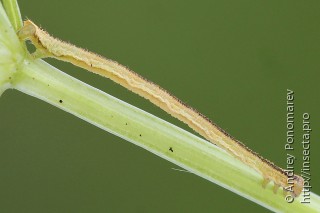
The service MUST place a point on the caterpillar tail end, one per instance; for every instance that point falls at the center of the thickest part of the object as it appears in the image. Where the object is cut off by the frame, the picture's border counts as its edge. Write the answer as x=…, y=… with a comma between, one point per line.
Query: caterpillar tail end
x=298, y=183
x=295, y=190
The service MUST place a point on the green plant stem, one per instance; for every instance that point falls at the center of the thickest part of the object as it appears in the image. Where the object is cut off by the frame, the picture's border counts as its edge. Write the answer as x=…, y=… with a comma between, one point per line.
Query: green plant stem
x=13, y=12
x=39, y=79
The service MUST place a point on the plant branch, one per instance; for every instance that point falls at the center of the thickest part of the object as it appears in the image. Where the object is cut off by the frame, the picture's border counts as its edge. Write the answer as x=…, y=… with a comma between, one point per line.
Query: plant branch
x=172, y=143
x=13, y=12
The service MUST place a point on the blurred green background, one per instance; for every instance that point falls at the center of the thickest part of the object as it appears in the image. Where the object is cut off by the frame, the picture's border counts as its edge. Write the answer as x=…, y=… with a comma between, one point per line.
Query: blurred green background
x=231, y=60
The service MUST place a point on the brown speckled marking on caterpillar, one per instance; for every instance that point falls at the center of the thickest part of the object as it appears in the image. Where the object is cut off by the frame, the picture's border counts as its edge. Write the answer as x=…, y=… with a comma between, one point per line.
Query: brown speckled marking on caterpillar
x=47, y=46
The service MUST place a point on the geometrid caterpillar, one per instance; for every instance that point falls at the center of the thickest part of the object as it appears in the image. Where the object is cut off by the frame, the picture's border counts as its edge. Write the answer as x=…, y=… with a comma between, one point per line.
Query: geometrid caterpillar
x=47, y=46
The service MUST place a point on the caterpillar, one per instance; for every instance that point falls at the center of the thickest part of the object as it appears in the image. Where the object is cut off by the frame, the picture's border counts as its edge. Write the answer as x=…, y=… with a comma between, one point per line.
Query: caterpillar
x=48, y=46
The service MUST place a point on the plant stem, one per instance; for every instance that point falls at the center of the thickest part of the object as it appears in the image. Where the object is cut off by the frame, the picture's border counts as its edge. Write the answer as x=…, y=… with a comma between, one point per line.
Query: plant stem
x=13, y=12
x=12, y=50
x=174, y=144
